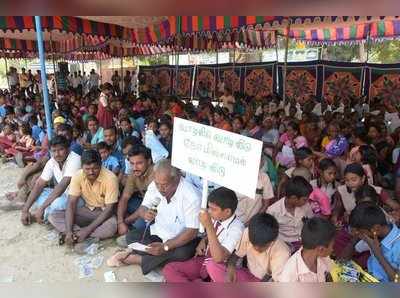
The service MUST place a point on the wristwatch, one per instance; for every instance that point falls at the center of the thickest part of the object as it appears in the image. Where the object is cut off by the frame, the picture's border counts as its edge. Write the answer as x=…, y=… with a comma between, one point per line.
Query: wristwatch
x=166, y=248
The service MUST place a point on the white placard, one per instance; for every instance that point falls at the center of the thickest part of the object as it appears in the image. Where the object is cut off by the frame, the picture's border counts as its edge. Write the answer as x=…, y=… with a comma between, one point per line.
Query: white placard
x=222, y=157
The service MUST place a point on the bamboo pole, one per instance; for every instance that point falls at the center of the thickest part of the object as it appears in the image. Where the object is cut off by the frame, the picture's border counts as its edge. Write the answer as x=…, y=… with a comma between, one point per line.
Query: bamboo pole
x=365, y=63
x=277, y=60
x=54, y=67
x=7, y=71
x=122, y=74
x=285, y=63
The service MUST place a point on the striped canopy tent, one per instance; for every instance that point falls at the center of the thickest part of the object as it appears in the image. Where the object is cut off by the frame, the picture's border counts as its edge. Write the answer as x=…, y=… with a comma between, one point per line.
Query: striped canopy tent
x=339, y=30
x=210, y=33
x=121, y=36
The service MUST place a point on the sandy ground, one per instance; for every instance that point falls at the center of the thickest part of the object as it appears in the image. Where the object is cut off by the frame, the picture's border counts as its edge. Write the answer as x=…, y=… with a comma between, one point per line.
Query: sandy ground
x=27, y=255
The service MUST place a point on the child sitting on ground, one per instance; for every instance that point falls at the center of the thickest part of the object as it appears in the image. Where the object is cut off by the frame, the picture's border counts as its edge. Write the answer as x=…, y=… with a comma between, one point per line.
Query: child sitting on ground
x=7, y=136
x=368, y=194
x=291, y=209
x=344, y=197
x=326, y=182
x=224, y=231
x=109, y=161
x=24, y=147
x=312, y=263
x=266, y=254
x=367, y=157
x=304, y=158
x=288, y=142
x=369, y=223
x=318, y=200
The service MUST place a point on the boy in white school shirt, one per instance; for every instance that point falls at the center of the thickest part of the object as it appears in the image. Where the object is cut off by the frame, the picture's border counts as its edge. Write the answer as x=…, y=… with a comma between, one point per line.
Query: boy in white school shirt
x=223, y=230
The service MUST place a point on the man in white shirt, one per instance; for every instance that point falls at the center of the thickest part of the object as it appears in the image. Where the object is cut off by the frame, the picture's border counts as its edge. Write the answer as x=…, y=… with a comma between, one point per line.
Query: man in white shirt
x=76, y=81
x=173, y=204
x=93, y=80
x=223, y=232
x=13, y=78
x=62, y=166
x=227, y=100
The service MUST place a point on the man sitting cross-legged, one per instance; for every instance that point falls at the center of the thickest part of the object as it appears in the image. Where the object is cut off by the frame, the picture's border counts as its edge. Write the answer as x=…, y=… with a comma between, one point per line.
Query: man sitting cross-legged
x=173, y=236
x=98, y=187
x=134, y=190
x=43, y=201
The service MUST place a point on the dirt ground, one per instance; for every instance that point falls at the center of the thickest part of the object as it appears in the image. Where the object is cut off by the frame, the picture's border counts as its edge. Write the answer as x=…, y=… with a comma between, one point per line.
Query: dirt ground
x=26, y=253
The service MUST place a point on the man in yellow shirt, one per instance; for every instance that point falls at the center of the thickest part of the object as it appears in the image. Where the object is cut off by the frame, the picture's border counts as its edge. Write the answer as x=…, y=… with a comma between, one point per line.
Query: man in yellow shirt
x=98, y=188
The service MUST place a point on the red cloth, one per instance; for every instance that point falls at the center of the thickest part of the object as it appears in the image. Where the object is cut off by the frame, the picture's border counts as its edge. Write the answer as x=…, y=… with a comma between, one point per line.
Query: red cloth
x=218, y=273
x=104, y=116
x=190, y=270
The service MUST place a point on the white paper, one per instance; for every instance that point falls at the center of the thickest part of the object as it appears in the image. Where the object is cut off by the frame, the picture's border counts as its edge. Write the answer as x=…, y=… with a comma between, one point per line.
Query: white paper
x=138, y=246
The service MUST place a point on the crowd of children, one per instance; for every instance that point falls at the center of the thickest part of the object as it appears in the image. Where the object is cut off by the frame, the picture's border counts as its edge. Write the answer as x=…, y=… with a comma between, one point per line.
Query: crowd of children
x=328, y=187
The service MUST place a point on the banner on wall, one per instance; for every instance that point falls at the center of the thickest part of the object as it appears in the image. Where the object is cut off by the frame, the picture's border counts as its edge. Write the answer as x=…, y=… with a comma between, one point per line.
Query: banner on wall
x=259, y=80
x=254, y=80
x=341, y=80
x=301, y=80
x=206, y=81
x=323, y=79
x=383, y=81
x=184, y=81
x=157, y=79
x=229, y=76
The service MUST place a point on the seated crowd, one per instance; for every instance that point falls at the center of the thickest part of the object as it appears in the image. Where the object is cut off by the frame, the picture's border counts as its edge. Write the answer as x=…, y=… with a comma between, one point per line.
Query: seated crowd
x=328, y=187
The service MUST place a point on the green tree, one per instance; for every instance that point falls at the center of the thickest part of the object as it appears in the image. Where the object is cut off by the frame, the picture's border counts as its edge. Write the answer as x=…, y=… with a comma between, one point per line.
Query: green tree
x=387, y=51
x=153, y=60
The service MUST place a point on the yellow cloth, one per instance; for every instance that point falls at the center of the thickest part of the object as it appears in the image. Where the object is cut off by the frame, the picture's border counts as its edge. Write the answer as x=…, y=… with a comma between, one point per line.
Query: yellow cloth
x=102, y=192
x=325, y=141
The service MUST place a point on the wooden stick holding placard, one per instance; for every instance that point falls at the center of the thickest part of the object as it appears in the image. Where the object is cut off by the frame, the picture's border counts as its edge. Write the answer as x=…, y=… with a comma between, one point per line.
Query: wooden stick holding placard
x=204, y=196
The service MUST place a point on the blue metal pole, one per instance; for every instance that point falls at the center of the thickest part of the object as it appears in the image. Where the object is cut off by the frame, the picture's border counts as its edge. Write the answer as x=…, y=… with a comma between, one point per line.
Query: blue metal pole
x=45, y=91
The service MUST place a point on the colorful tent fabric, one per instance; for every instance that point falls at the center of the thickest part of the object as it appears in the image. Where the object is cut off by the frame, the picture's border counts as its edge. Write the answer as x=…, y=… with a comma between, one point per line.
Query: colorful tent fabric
x=29, y=46
x=202, y=33
x=375, y=30
x=65, y=24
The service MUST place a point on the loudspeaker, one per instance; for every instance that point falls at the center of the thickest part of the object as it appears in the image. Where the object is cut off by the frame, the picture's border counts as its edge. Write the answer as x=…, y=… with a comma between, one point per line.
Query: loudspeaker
x=63, y=67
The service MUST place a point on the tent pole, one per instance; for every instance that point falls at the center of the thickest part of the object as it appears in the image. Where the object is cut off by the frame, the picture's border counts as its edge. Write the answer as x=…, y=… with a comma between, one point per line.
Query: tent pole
x=122, y=74
x=54, y=65
x=7, y=70
x=277, y=61
x=39, y=38
x=176, y=73
x=366, y=62
x=101, y=77
x=285, y=63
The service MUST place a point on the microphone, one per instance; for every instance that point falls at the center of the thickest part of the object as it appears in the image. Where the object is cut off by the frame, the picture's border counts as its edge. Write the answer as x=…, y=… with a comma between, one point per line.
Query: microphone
x=154, y=209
